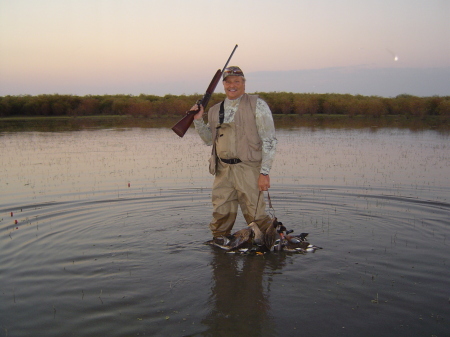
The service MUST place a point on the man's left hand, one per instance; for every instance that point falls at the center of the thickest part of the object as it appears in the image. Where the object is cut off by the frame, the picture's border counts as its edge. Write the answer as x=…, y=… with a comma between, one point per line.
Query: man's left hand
x=263, y=182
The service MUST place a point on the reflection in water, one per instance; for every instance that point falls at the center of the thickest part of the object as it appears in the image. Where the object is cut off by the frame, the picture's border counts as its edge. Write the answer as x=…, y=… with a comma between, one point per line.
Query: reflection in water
x=58, y=124
x=239, y=296
x=315, y=122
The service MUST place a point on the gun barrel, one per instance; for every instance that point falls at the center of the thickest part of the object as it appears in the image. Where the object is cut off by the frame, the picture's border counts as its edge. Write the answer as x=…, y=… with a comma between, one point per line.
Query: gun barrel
x=183, y=125
x=228, y=61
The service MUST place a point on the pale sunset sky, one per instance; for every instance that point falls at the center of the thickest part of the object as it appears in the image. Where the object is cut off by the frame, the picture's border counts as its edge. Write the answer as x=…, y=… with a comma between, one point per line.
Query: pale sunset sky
x=96, y=47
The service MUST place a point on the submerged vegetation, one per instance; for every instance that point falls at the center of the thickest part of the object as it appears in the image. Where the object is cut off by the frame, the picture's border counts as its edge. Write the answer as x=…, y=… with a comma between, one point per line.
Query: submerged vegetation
x=284, y=103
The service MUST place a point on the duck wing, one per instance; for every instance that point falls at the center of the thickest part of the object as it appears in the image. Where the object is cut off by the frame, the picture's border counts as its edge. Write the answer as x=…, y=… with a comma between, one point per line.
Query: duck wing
x=241, y=237
x=271, y=234
x=301, y=236
x=302, y=247
x=299, y=246
x=296, y=238
x=258, y=236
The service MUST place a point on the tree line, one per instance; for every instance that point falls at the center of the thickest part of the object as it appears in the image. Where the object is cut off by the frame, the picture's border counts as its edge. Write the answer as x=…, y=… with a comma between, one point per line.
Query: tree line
x=175, y=105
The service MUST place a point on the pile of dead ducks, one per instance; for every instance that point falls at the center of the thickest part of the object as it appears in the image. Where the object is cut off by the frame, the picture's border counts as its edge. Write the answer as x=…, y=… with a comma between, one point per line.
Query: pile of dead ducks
x=251, y=240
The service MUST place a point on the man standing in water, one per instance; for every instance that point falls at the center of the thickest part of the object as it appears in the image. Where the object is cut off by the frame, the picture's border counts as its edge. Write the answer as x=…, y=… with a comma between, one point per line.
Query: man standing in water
x=242, y=133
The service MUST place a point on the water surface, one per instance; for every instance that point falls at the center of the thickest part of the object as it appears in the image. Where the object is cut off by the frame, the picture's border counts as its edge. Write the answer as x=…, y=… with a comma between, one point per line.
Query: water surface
x=111, y=224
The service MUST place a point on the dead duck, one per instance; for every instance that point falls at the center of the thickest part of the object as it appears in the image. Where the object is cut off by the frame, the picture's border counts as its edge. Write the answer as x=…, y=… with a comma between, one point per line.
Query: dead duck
x=272, y=234
x=297, y=243
x=300, y=247
x=295, y=238
x=294, y=243
x=252, y=239
x=258, y=236
x=236, y=240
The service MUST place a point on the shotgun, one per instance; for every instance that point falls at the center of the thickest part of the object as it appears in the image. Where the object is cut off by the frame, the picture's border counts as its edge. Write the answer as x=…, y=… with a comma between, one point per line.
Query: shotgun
x=183, y=125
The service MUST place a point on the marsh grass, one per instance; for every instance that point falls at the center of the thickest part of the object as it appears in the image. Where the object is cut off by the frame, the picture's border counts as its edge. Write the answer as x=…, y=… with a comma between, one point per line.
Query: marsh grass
x=173, y=105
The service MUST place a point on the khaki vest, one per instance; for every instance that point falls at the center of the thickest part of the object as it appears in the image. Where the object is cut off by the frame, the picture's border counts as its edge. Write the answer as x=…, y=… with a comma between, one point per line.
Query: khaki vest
x=248, y=143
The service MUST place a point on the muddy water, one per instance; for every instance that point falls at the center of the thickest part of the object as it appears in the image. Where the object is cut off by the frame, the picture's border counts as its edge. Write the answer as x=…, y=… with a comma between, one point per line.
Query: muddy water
x=111, y=224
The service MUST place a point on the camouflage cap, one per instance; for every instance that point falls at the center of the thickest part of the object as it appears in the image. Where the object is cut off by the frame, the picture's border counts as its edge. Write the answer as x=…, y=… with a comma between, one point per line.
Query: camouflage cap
x=232, y=71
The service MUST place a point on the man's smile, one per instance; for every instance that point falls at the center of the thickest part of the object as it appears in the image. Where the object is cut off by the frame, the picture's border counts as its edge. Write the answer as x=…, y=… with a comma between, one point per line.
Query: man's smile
x=234, y=86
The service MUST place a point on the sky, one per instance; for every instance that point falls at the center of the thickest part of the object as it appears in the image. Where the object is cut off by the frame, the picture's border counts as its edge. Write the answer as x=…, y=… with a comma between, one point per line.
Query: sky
x=96, y=47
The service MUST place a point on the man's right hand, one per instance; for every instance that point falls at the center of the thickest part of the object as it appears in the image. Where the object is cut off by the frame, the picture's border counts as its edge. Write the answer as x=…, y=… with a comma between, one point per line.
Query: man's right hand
x=200, y=112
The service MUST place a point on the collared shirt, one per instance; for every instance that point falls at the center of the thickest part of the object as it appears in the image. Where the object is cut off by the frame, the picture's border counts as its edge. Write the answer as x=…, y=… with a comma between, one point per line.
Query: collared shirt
x=264, y=125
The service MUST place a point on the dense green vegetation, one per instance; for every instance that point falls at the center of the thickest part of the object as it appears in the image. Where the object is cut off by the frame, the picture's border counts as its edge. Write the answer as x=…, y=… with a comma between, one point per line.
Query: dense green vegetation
x=173, y=105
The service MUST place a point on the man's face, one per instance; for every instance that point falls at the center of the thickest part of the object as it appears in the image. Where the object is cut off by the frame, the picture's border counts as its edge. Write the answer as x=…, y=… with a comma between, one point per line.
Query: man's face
x=234, y=86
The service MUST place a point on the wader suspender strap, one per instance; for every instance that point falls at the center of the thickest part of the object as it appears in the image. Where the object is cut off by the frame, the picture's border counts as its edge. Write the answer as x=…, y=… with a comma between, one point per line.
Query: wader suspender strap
x=221, y=113
x=221, y=118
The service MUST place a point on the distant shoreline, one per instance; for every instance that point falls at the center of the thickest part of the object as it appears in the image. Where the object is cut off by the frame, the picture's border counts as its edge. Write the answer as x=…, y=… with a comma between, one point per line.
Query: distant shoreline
x=284, y=103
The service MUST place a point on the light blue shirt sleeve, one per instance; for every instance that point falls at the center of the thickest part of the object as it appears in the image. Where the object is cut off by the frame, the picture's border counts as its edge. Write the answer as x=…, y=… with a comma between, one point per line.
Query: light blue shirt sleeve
x=266, y=131
x=204, y=131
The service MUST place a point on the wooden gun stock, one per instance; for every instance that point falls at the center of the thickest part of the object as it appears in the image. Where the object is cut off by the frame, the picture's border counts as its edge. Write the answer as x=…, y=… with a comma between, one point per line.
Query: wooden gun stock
x=183, y=125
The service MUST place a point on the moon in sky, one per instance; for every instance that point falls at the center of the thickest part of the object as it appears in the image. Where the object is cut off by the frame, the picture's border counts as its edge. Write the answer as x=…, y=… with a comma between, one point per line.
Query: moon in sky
x=393, y=54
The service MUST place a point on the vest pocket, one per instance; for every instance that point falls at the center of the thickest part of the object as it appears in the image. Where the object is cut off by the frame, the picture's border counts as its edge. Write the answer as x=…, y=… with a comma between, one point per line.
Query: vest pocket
x=226, y=141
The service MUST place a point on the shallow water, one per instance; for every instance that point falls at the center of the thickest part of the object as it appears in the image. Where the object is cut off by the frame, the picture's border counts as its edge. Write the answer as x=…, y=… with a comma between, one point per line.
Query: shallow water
x=111, y=224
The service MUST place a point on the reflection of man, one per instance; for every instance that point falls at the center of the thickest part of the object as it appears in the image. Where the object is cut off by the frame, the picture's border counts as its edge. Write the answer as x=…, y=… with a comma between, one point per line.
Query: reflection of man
x=239, y=297
x=242, y=133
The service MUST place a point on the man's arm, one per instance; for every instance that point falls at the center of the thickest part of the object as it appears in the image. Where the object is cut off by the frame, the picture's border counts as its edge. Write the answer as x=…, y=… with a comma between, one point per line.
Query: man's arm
x=266, y=131
x=203, y=129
